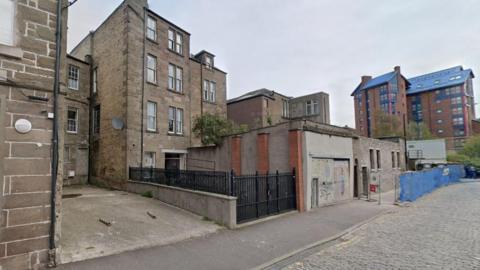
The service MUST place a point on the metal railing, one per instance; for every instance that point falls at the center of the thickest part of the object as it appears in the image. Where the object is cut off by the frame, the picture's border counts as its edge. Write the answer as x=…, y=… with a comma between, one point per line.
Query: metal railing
x=207, y=181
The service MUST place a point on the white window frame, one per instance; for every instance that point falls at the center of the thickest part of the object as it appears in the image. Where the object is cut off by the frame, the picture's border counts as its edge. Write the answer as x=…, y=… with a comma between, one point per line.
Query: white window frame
x=7, y=22
x=73, y=77
x=206, y=89
x=175, y=41
x=213, y=91
x=178, y=121
x=152, y=69
x=153, y=157
x=151, y=116
x=171, y=119
x=75, y=121
x=94, y=79
x=151, y=29
x=208, y=62
x=310, y=106
x=179, y=43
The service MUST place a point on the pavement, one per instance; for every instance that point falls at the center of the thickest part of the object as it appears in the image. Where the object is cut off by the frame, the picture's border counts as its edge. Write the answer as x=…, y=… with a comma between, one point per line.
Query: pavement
x=85, y=237
x=439, y=231
x=247, y=247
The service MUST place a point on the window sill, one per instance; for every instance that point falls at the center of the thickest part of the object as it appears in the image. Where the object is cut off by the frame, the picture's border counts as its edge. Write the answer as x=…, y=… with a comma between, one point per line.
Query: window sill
x=72, y=133
x=175, y=134
x=153, y=41
x=11, y=51
x=152, y=83
x=175, y=52
x=151, y=131
x=209, y=102
x=175, y=92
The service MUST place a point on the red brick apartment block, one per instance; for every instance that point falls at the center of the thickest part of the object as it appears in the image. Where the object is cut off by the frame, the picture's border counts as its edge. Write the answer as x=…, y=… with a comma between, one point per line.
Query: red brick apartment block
x=295, y=157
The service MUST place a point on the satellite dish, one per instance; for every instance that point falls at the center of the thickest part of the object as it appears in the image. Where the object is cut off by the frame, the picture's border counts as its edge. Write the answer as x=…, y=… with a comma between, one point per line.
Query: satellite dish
x=117, y=123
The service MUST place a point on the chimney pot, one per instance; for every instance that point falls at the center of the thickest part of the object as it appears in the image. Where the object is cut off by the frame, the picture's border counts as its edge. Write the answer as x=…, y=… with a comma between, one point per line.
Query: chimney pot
x=366, y=78
x=397, y=68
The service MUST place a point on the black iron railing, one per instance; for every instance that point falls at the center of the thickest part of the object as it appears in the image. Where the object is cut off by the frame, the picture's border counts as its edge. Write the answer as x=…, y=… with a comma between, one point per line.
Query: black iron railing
x=208, y=181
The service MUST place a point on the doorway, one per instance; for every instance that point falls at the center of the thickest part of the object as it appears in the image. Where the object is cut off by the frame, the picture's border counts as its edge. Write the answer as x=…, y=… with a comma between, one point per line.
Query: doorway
x=355, y=179
x=172, y=161
x=314, y=192
x=365, y=181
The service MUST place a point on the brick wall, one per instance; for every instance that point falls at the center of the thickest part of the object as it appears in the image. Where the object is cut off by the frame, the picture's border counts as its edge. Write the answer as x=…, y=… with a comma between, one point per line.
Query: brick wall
x=26, y=158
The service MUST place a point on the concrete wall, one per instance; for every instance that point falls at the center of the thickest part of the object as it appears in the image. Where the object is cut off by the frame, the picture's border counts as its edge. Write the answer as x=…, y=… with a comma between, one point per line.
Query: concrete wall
x=326, y=147
x=298, y=107
x=388, y=173
x=219, y=208
x=25, y=168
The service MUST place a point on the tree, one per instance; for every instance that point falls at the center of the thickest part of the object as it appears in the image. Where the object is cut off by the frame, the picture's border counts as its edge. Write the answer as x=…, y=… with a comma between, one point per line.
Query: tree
x=418, y=131
x=470, y=155
x=211, y=128
x=386, y=125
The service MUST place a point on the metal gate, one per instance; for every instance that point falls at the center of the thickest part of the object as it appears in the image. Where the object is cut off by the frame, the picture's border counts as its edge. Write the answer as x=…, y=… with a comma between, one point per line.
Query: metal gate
x=260, y=195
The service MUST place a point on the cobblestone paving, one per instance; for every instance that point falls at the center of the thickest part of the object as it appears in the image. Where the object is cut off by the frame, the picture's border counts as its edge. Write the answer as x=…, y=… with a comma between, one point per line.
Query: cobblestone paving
x=439, y=231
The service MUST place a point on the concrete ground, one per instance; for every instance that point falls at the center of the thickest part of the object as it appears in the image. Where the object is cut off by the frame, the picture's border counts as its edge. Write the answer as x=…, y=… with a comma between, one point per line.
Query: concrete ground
x=85, y=237
x=439, y=231
x=247, y=247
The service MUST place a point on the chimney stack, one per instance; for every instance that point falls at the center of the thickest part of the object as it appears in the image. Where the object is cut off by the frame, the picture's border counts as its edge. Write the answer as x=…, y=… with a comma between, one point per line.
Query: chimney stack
x=366, y=78
x=397, y=68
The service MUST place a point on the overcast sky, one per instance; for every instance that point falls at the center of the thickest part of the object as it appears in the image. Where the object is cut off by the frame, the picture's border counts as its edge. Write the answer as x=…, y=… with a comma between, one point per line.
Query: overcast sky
x=301, y=46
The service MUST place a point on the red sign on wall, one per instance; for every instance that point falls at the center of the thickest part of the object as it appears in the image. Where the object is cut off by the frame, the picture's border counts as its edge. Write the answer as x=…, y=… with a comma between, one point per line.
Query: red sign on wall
x=373, y=188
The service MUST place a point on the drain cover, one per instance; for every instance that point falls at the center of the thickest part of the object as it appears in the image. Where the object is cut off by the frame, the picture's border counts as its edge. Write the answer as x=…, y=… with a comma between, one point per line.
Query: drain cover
x=69, y=196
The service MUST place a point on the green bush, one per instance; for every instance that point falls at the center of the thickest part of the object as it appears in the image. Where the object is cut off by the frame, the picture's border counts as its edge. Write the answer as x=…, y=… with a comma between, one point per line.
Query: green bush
x=211, y=128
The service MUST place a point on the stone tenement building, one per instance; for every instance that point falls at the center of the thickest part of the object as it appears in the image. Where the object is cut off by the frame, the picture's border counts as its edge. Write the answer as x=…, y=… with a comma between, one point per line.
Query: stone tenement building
x=145, y=92
x=264, y=107
x=444, y=102
x=383, y=94
x=27, y=70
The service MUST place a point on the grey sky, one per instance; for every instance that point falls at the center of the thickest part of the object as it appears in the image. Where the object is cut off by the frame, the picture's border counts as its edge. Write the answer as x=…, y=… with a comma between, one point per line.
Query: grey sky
x=300, y=46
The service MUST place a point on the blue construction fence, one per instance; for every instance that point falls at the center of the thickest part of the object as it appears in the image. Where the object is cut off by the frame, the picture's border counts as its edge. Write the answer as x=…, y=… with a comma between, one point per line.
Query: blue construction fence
x=414, y=185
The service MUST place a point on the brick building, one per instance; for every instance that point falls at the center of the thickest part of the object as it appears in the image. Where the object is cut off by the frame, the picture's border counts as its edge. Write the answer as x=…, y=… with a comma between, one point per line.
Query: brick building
x=146, y=91
x=383, y=94
x=264, y=107
x=444, y=102
x=27, y=80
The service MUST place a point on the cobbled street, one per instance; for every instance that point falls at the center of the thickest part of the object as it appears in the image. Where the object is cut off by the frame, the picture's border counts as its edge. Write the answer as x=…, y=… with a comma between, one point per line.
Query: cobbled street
x=438, y=231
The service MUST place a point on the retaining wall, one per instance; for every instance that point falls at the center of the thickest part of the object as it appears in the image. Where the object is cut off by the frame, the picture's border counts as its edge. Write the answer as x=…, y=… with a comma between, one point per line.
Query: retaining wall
x=219, y=208
x=416, y=184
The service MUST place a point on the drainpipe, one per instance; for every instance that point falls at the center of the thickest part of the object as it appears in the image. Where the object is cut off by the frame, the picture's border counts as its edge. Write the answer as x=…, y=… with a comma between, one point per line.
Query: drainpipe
x=143, y=91
x=54, y=168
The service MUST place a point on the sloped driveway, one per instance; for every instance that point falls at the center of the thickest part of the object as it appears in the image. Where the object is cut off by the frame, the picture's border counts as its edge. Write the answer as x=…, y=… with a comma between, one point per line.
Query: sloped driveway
x=99, y=222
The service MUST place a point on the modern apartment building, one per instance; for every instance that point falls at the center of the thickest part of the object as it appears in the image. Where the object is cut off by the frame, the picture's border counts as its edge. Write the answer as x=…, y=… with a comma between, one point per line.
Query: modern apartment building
x=444, y=102
x=146, y=89
x=385, y=94
x=264, y=107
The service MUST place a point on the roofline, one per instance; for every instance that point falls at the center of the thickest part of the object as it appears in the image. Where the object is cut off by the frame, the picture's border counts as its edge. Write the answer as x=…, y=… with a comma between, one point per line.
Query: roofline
x=215, y=68
x=434, y=89
x=76, y=59
x=89, y=35
x=204, y=51
x=232, y=100
x=167, y=21
x=438, y=71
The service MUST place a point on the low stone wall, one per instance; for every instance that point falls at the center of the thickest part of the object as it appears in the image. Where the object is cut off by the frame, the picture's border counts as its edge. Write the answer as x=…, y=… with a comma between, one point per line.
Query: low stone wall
x=219, y=208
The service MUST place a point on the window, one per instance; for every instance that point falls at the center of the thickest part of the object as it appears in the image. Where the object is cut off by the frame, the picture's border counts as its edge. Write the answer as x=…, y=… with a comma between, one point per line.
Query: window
x=67, y=154
x=175, y=41
x=7, y=22
x=73, y=76
x=208, y=62
x=151, y=69
x=96, y=119
x=209, y=90
x=457, y=111
x=150, y=159
x=398, y=159
x=379, y=165
x=372, y=160
x=175, y=78
x=440, y=131
x=72, y=120
x=94, y=83
x=439, y=111
x=285, y=108
x=458, y=121
x=151, y=116
x=393, y=160
x=151, y=29
x=179, y=121
x=311, y=107
x=175, y=120
x=459, y=132
x=171, y=40
x=439, y=121
x=456, y=100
